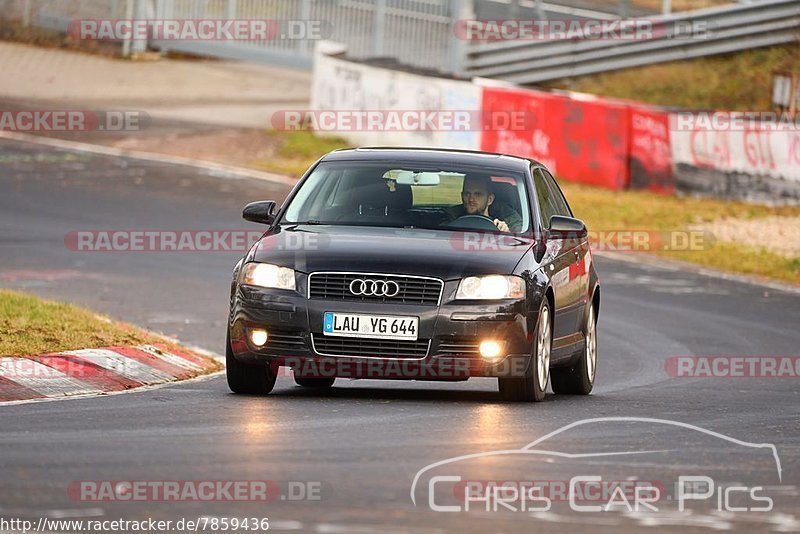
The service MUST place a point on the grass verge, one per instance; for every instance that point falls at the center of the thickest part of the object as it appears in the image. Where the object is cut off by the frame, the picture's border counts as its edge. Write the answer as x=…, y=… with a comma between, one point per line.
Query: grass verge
x=297, y=151
x=30, y=325
x=608, y=211
x=16, y=31
x=733, y=82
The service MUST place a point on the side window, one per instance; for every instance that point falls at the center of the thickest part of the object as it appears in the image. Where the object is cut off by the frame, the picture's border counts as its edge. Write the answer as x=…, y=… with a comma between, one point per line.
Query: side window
x=545, y=198
x=562, y=208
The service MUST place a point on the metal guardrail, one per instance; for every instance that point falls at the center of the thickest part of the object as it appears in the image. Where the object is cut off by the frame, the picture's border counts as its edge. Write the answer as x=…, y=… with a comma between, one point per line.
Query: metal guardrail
x=414, y=32
x=729, y=29
x=421, y=33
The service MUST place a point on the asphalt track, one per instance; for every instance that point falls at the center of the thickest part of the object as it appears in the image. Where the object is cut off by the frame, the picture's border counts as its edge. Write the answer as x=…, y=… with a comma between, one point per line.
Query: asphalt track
x=365, y=441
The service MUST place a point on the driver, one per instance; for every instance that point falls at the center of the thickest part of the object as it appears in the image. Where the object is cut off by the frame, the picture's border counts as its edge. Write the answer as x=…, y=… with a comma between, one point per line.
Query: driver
x=477, y=199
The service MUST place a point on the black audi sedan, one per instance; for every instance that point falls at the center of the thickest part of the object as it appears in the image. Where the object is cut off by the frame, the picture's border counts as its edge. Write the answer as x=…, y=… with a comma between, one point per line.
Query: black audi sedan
x=421, y=264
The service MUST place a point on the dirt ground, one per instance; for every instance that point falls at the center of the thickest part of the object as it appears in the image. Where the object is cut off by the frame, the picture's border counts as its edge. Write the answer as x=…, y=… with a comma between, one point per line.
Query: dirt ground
x=780, y=235
x=234, y=146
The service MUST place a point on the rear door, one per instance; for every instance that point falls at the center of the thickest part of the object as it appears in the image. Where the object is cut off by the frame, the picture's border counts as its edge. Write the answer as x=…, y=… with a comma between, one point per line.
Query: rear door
x=556, y=261
x=577, y=249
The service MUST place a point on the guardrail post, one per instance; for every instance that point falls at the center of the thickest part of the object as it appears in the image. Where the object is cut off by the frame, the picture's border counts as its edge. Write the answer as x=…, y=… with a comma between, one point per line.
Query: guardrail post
x=26, y=13
x=306, y=45
x=139, y=46
x=168, y=9
x=126, y=44
x=459, y=46
x=624, y=8
x=379, y=28
x=540, y=14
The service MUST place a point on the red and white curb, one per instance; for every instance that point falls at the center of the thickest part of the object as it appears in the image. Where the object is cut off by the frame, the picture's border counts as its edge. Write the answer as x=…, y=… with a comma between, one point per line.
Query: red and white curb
x=98, y=371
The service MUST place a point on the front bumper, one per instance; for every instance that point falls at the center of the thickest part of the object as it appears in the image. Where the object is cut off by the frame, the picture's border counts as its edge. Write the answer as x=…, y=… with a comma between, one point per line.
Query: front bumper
x=448, y=337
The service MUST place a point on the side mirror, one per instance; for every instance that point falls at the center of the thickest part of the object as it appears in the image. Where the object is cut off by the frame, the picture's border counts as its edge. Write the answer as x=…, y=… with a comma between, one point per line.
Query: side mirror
x=260, y=212
x=566, y=228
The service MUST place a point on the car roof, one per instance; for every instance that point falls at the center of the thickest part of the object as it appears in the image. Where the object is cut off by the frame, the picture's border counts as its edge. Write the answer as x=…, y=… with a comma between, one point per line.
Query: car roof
x=430, y=155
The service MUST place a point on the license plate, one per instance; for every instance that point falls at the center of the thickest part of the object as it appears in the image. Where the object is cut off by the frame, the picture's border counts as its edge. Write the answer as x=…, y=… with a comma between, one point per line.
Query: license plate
x=370, y=326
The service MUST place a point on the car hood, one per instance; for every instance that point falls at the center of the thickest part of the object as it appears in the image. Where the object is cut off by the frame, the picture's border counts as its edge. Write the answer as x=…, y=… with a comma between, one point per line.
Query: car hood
x=443, y=254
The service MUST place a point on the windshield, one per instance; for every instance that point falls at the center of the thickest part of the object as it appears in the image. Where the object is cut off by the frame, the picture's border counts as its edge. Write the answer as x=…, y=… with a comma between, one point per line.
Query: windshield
x=445, y=197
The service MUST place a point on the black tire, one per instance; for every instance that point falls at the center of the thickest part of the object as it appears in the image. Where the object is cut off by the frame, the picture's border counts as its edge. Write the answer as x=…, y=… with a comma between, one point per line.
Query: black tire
x=317, y=383
x=530, y=387
x=579, y=379
x=248, y=378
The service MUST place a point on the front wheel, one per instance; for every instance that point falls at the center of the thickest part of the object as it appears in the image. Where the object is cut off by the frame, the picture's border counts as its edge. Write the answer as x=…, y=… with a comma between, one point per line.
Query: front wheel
x=531, y=387
x=248, y=378
x=579, y=379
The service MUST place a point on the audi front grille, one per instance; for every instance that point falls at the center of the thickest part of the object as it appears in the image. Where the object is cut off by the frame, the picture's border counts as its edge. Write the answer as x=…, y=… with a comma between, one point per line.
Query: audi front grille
x=368, y=287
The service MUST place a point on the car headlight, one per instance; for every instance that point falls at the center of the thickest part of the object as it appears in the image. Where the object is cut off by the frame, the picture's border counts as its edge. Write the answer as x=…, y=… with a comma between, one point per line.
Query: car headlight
x=268, y=275
x=491, y=288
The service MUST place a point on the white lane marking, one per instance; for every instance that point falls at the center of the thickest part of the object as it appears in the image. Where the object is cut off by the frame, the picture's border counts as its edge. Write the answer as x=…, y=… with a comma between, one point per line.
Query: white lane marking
x=577, y=519
x=174, y=359
x=73, y=513
x=123, y=365
x=209, y=167
x=333, y=528
x=285, y=525
x=42, y=379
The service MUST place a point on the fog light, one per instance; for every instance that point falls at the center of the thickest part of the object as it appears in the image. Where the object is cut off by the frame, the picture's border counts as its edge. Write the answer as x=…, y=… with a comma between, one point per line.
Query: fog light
x=258, y=337
x=490, y=350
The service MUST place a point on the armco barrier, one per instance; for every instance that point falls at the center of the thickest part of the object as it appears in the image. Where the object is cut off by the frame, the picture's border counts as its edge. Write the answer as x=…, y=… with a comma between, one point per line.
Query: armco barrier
x=604, y=142
x=580, y=137
x=584, y=140
x=650, y=164
x=754, y=164
x=341, y=85
x=735, y=27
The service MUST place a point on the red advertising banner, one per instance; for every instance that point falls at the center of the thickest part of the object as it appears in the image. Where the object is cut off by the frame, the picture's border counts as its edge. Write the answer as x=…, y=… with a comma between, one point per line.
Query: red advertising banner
x=650, y=153
x=586, y=141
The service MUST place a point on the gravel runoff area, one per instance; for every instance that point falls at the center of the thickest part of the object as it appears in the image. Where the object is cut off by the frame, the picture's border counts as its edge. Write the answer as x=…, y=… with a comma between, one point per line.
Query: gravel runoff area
x=780, y=235
x=210, y=92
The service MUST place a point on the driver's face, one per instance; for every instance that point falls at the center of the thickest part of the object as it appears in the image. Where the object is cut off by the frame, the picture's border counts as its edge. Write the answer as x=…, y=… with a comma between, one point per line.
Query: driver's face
x=476, y=198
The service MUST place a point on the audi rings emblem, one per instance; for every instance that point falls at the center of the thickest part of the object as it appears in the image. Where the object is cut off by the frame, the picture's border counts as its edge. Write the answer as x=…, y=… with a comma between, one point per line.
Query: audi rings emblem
x=374, y=288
